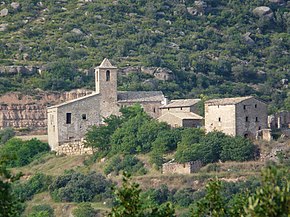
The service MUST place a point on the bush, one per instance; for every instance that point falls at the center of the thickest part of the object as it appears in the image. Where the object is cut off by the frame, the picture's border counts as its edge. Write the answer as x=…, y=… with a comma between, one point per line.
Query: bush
x=128, y=163
x=24, y=151
x=6, y=134
x=77, y=187
x=37, y=184
x=84, y=210
x=44, y=210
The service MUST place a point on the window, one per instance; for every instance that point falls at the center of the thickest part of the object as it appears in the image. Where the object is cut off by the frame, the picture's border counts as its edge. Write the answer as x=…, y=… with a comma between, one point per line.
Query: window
x=257, y=119
x=244, y=106
x=181, y=108
x=219, y=119
x=168, y=109
x=247, y=119
x=154, y=110
x=108, y=74
x=84, y=116
x=97, y=76
x=68, y=118
x=255, y=105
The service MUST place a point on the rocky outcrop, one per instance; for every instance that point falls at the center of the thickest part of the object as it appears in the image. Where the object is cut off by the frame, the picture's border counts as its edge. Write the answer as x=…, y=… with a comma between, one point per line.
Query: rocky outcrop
x=263, y=11
x=23, y=111
x=163, y=74
x=4, y=12
x=24, y=70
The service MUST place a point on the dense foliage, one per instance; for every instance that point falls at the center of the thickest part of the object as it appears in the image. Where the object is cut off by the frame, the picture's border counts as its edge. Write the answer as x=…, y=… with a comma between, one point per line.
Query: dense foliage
x=41, y=211
x=218, y=48
x=77, y=187
x=24, y=152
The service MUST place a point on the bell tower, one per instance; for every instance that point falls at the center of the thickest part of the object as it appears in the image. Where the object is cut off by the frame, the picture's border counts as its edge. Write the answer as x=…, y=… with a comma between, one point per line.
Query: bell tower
x=106, y=81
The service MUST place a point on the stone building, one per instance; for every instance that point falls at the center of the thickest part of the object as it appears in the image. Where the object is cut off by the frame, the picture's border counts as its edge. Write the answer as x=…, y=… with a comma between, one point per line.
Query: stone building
x=241, y=116
x=181, y=113
x=172, y=167
x=69, y=121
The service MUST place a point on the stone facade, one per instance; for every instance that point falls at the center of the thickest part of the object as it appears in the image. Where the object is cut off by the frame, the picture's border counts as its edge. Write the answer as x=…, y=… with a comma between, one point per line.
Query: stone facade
x=181, y=168
x=241, y=116
x=69, y=121
x=73, y=148
x=181, y=113
x=280, y=120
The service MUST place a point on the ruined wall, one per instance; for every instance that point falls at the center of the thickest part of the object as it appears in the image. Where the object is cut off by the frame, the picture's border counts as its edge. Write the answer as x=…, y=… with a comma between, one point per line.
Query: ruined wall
x=20, y=110
x=220, y=118
x=181, y=168
x=279, y=120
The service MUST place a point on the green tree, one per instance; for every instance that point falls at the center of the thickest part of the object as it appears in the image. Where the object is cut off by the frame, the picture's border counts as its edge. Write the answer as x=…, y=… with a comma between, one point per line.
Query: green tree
x=84, y=210
x=129, y=203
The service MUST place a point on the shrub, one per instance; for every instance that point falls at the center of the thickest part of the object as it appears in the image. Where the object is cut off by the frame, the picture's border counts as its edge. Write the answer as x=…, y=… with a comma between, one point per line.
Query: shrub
x=84, y=210
x=77, y=187
x=24, y=151
x=38, y=183
x=43, y=210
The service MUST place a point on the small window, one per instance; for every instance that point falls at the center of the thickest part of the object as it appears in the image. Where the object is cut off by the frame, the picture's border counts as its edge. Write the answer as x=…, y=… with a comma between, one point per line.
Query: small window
x=255, y=105
x=108, y=75
x=247, y=119
x=68, y=118
x=244, y=106
x=259, y=128
x=97, y=76
x=168, y=109
x=257, y=119
x=181, y=108
x=219, y=119
x=84, y=116
x=154, y=110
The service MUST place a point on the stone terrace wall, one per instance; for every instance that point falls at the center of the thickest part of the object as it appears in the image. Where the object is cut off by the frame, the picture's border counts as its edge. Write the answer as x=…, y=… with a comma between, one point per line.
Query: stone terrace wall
x=73, y=148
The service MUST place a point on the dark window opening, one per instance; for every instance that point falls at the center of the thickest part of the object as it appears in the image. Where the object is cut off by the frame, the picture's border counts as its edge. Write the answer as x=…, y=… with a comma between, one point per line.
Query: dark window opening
x=246, y=135
x=68, y=118
x=257, y=119
x=97, y=76
x=108, y=75
x=181, y=108
x=168, y=109
x=84, y=116
x=244, y=106
x=219, y=119
x=255, y=105
x=154, y=110
x=247, y=119
x=259, y=128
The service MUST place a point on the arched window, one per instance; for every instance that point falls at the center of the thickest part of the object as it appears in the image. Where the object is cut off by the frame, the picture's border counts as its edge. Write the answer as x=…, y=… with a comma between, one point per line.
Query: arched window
x=108, y=74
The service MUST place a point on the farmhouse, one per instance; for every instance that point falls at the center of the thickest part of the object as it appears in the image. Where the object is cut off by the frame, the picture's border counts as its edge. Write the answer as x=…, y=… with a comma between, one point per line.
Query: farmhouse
x=240, y=116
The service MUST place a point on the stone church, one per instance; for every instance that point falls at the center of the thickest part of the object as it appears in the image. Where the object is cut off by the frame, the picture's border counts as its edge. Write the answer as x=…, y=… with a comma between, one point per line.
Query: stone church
x=69, y=121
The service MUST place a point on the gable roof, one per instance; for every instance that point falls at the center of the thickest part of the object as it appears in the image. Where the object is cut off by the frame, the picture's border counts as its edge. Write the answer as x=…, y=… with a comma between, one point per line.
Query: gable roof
x=74, y=100
x=181, y=103
x=228, y=101
x=106, y=64
x=182, y=115
x=140, y=96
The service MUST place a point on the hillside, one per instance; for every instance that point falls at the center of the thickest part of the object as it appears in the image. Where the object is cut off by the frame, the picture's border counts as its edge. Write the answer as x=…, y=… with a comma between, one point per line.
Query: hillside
x=213, y=47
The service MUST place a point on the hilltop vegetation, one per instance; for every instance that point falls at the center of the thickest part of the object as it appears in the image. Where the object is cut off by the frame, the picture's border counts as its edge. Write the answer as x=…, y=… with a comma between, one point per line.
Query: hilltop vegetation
x=205, y=45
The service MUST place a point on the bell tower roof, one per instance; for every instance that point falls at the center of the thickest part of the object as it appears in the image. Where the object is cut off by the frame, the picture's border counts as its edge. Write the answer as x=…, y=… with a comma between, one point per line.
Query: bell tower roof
x=106, y=64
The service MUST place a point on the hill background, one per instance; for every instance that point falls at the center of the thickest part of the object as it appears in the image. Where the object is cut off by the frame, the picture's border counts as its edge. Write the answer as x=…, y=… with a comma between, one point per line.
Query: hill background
x=214, y=48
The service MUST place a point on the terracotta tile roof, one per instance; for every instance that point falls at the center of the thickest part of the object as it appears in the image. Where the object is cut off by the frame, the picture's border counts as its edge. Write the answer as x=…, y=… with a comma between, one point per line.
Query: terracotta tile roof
x=227, y=101
x=181, y=103
x=140, y=96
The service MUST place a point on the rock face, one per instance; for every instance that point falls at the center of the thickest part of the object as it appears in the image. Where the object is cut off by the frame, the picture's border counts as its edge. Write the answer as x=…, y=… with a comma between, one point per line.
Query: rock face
x=263, y=11
x=24, y=70
x=15, y=5
x=26, y=111
x=4, y=12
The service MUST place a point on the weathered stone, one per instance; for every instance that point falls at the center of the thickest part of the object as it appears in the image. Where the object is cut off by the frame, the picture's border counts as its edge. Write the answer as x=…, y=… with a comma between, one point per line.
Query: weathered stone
x=3, y=27
x=192, y=11
x=15, y=5
x=247, y=39
x=26, y=56
x=4, y=12
x=263, y=11
x=181, y=168
x=277, y=1
x=77, y=31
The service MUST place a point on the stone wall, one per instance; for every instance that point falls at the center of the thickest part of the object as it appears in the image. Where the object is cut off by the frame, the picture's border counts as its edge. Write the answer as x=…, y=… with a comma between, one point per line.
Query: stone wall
x=181, y=168
x=73, y=148
x=151, y=108
x=279, y=120
x=251, y=116
x=220, y=118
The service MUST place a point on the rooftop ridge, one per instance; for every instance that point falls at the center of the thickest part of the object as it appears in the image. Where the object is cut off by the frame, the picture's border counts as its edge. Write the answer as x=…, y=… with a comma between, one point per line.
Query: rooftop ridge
x=106, y=64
